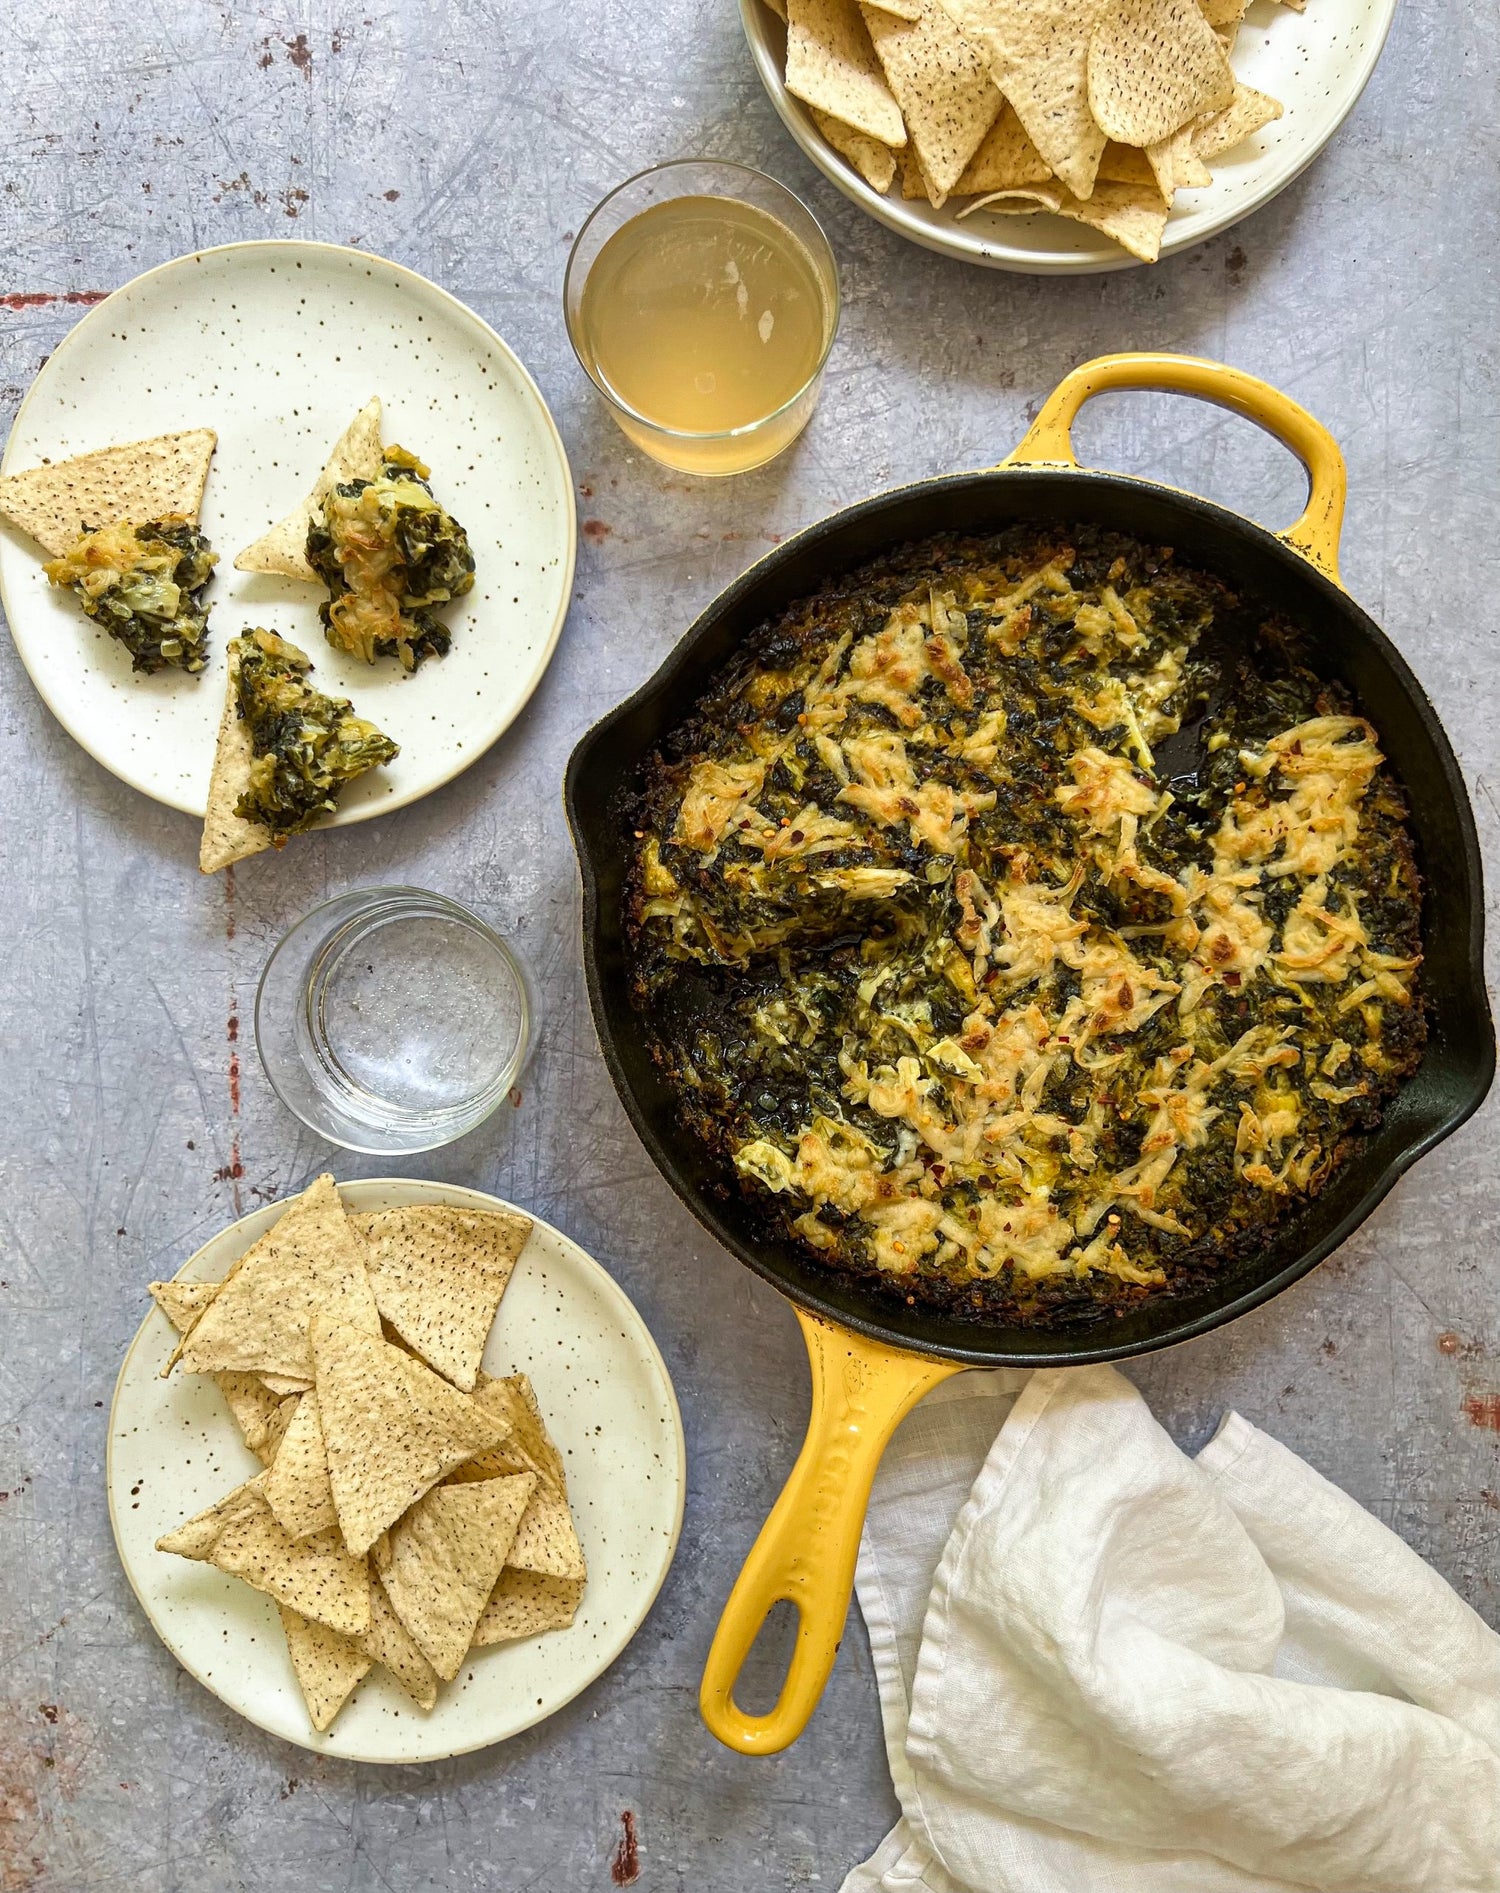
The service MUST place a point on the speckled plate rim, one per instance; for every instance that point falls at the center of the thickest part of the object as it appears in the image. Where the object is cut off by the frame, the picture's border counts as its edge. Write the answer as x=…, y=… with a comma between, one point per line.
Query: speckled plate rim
x=383, y=1193
x=970, y=244
x=293, y=247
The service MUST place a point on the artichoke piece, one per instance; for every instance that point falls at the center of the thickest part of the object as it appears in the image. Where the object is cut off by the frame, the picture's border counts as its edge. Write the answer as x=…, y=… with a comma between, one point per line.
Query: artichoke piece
x=145, y=586
x=390, y=555
x=306, y=746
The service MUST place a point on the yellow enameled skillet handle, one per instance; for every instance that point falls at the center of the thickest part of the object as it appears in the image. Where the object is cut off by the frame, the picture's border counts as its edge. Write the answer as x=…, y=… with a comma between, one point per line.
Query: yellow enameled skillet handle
x=806, y=1550
x=1315, y=535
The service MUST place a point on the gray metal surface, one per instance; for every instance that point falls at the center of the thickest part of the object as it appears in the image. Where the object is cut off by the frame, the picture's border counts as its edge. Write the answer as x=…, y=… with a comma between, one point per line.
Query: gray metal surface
x=468, y=140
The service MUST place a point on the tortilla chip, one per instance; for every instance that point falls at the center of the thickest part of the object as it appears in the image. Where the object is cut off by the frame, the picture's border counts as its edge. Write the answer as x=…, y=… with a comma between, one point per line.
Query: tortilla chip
x=1006, y=158
x=526, y=1604
x=389, y=1643
x=297, y=1487
x=874, y=161
x=527, y=1448
x=1222, y=13
x=141, y=481
x=902, y=9
x=1154, y=65
x=1126, y=164
x=941, y=83
x=1022, y=201
x=1133, y=214
x=778, y=7
x=831, y=64
x=310, y=1262
x=315, y=1576
x=1247, y=114
x=438, y=1274
x=259, y=1414
x=391, y=1428
x=182, y=1302
x=1038, y=56
x=444, y=1560
x=228, y=837
x=1174, y=164
x=327, y=1666
x=913, y=184
x=356, y=456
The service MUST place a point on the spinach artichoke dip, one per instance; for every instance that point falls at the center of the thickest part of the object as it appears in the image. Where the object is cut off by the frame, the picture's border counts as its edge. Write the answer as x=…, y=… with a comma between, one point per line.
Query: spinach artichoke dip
x=307, y=747
x=390, y=556
x=144, y=585
x=976, y=994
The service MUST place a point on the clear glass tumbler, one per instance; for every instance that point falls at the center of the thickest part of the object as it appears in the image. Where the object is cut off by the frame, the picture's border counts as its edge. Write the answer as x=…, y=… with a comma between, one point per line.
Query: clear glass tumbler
x=673, y=294
x=392, y=1020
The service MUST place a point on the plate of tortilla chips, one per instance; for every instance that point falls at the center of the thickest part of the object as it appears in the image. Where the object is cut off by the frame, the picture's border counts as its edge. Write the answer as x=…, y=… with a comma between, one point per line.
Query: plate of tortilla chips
x=1058, y=137
x=167, y=462
x=394, y=1469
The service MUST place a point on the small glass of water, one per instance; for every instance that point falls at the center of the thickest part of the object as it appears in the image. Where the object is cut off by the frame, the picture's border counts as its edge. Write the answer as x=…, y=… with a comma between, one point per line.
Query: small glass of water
x=391, y=1020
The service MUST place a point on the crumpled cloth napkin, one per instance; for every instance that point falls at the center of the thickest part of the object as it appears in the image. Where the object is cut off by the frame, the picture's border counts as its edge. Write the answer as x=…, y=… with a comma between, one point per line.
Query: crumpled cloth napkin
x=1105, y=1667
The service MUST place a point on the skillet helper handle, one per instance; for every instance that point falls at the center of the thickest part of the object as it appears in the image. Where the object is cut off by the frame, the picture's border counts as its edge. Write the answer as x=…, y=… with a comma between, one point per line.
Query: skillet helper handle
x=1315, y=535
x=806, y=1550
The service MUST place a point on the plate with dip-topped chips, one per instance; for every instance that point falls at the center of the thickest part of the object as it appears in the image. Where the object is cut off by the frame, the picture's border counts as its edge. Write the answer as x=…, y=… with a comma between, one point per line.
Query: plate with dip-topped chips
x=1063, y=137
x=395, y=1470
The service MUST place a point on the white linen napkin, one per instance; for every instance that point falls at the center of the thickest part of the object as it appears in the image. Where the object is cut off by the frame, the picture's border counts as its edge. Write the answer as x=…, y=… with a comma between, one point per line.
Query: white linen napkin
x=1105, y=1667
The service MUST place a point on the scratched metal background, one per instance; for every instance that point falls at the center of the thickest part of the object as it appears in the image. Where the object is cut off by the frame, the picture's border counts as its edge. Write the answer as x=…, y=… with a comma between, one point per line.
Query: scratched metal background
x=468, y=139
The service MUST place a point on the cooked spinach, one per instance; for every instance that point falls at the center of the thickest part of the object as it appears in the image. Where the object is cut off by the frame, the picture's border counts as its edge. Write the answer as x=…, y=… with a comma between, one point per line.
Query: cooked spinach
x=307, y=746
x=390, y=555
x=144, y=585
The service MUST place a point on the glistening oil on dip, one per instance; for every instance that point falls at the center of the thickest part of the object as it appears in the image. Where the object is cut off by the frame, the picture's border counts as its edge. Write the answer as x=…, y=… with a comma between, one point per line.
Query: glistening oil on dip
x=1026, y=925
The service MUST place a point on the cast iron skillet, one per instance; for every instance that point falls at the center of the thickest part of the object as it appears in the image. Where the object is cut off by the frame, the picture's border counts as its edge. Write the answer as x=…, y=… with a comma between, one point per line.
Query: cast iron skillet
x=873, y=1357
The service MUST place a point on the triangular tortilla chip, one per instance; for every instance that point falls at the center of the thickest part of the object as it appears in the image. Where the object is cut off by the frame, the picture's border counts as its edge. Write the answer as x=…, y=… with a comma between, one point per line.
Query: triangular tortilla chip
x=1127, y=164
x=391, y=1428
x=947, y=98
x=1154, y=66
x=310, y=1262
x=356, y=456
x=141, y=481
x=261, y=1415
x=389, y=1642
x=528, y=1447
x=1133, y=214
x=1006, y=159
x=228, y=837
x=527, y=1603
x=297, y=1487
x=874, y=161
x=546, y=1540
x=444, y=1560
x=1249, y=112
x=182, y=1302
x=328, y=1667
x=831, y=64
x=1038, y=56
x=438, y=1274
x=315, y=1576
x=903, y=9
x=1024, y=200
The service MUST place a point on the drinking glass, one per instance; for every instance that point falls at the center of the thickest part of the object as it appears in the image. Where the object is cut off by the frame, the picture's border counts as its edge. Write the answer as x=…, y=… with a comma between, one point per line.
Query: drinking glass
x=717, y=451
x=392, y=1020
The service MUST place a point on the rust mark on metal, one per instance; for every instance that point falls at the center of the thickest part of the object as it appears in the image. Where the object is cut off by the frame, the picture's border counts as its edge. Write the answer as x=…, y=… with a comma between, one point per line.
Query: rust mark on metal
x=596, y=530
x=45, y=298
x=1483, y=1410
x=625, y=1868
x=42, y=1751
x=300, y=54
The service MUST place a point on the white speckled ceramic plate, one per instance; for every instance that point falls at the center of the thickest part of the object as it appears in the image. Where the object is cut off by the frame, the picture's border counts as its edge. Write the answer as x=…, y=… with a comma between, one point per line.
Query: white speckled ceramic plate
x=1317, y=63
x=608, y=1402
x=276, y=346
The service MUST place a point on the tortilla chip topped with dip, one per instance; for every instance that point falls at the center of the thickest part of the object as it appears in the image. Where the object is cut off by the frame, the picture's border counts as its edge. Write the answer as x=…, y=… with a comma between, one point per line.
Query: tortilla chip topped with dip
x=401, y=1521
x=275, y=774
x=121, y=526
